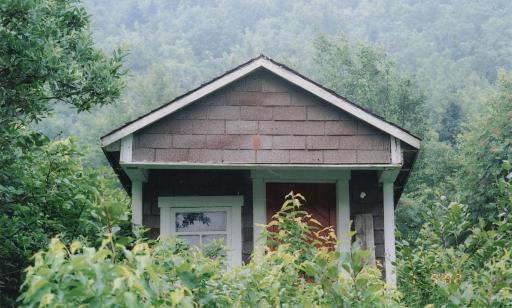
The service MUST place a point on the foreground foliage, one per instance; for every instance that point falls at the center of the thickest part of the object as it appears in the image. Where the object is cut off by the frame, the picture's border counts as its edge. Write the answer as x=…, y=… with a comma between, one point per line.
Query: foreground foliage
x=51, y=193
x=454, y=263
x=169, y=273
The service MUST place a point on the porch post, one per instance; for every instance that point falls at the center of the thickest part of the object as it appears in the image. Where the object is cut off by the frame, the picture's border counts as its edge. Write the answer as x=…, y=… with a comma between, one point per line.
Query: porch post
x=259, y=209
x=166, y=221
x=343, y=213
x=389, y=233
x=137, y=202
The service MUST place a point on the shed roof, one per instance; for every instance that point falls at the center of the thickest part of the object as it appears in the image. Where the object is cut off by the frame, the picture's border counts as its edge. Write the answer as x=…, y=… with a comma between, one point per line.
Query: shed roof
x=278, y=69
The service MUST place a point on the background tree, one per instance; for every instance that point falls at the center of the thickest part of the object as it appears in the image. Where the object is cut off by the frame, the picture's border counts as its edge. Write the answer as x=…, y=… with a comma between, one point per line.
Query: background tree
x=366, y=75
x=484, y=147
x=451, y=122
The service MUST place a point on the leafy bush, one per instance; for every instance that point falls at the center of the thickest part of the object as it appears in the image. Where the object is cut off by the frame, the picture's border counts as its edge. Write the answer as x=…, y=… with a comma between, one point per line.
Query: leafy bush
x=453, y=263
x=285, y=272
x=51, y=193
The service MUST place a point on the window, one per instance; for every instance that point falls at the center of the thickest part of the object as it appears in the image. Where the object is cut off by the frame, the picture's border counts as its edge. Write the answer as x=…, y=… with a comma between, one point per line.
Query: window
x=200, y=220
x=199, y=226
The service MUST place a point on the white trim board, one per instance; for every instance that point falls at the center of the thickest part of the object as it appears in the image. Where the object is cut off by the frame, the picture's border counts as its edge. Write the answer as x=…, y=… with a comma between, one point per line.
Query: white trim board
x=186, y=165
x=280, y=70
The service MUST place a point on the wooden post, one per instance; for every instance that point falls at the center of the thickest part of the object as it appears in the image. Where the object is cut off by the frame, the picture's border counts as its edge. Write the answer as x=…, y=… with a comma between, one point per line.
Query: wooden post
x=363, y=224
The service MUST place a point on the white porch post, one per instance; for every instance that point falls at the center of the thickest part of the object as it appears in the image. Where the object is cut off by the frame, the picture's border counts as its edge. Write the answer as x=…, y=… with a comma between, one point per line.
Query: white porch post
x=343, y=213
x=137, y=202
x=389, y=233
x=259, y=209
x=166, y=222
x=137, y=177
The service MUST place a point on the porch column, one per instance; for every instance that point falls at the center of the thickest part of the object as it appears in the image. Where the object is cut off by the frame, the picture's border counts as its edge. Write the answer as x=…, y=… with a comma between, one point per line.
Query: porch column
x=343, y=213
x=137, y=202
x=165, y=221
x=259, y=209
x=389, y=233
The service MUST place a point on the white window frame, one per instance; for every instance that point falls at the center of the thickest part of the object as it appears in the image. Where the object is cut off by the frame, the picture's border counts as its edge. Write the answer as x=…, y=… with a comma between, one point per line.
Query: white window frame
x=169, y=206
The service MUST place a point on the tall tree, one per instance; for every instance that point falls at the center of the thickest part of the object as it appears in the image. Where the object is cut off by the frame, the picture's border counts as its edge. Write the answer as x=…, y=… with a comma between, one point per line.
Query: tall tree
x=367, y=76
x=484, y=148
x=451, y=122
x=47, y=55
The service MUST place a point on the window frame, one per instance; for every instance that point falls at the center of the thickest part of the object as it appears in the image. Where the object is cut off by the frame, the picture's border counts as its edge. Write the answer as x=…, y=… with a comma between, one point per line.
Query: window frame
x=169, y=206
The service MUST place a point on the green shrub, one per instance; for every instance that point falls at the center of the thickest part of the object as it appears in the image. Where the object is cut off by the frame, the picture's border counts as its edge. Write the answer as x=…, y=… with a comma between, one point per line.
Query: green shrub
x=453, y=263
x=285, y=272
x=49, y=192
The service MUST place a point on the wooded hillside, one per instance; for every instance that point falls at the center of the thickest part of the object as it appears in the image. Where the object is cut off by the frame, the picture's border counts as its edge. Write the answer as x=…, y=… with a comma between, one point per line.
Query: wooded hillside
x=71, y=72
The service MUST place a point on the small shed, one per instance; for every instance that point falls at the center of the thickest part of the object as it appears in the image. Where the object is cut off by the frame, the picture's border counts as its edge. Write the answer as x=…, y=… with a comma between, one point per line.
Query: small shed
x=219, y=159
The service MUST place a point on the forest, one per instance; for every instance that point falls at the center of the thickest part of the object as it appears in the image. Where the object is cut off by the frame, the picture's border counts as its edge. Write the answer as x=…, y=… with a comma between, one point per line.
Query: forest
x=71, y=71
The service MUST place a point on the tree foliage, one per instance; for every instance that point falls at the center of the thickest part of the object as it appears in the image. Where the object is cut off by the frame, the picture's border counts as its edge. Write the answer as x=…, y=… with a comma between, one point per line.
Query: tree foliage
x=366, y=75
x=484, y=146
x=47, y=55
x=451, y=124
x=455, y=263
x=169, y=273
x=50, y=193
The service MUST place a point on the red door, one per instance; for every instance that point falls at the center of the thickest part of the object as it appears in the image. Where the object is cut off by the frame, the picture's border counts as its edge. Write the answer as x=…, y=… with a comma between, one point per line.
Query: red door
x=320, y=200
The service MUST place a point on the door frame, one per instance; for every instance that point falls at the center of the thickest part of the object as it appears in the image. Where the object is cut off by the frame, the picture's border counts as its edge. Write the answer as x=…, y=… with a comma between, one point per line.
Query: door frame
x=341, y=178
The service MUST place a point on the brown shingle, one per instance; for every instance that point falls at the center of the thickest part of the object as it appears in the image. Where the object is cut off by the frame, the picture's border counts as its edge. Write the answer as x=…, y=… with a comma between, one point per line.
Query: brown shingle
x=189, y=141
x=241, y=127
x=288, y=142
x=289, y=113
x=272, y=157
x=340, y=157
x=305, y=157
x=239, y=156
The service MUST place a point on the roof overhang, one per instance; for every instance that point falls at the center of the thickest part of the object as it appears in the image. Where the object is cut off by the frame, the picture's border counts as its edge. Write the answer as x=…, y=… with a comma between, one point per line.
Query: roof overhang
x=278, y=69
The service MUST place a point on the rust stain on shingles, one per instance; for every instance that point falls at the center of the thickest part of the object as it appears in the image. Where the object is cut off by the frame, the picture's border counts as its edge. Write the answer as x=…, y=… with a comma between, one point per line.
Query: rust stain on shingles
x=256, y=143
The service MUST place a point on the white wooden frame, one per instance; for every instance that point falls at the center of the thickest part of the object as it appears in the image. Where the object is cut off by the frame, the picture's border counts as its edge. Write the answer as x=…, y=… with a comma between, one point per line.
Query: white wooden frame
x=280, y=70
x=231, y=204
x=387, y=178
x=341, y=177
x=228, y=232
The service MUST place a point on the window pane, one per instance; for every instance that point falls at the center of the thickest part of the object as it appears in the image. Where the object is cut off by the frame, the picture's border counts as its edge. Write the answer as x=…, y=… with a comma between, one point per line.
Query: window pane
x=207, y=238
x=190, y=239
x=201, y=221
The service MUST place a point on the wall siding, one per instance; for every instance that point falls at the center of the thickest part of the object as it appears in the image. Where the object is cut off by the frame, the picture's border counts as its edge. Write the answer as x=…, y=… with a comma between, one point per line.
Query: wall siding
x=261, y=119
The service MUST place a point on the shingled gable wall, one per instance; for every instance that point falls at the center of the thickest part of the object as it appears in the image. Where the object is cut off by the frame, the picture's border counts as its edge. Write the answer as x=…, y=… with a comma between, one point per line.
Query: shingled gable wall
x=261, y=119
